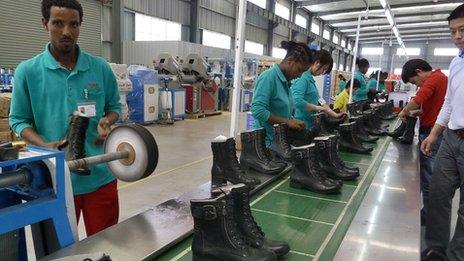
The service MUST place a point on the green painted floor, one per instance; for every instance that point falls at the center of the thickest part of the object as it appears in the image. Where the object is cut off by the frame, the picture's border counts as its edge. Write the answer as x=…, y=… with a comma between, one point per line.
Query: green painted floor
x=314, y=225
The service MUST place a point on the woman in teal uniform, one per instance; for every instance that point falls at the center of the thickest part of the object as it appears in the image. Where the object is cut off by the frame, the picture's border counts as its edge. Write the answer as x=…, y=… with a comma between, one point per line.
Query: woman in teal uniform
x=341, y=83
x=372, y=84
x=363, y=67
x=305, y=93
x=272, y=100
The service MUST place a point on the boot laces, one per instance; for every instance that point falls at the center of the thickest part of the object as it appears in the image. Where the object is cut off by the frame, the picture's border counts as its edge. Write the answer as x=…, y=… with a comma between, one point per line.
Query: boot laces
x=231, y=226
x=248, y=218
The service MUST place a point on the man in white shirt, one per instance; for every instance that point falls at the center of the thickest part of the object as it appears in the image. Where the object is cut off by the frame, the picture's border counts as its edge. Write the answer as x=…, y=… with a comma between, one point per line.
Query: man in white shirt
x=448, y=172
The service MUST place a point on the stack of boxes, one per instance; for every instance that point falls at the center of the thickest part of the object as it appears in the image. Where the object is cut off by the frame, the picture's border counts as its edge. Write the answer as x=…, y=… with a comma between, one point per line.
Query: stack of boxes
x=5, y=131
x=124, y=86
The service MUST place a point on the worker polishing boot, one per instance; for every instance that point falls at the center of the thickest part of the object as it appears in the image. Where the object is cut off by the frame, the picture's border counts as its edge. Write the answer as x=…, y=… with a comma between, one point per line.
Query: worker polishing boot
x=308, y=174
x=280, y=144
x=226, y=166
x=348, y=142
x=408, y=134
x=216, y=235
x=327, y=156
x=76, y=140
x=253, y=155
x=361, y=132
x=398, y=131
x=247, y=225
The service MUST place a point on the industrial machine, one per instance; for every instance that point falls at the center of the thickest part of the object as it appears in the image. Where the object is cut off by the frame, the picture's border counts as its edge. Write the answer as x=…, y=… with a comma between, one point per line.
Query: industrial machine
x=35, y=189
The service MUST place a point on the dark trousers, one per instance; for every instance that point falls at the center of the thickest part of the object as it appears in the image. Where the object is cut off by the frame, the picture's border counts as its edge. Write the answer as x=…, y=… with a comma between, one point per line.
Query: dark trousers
x=448, y=175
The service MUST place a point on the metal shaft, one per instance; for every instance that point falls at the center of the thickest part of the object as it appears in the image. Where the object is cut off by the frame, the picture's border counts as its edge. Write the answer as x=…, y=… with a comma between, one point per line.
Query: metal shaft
x=89, y=161
x=13, y=178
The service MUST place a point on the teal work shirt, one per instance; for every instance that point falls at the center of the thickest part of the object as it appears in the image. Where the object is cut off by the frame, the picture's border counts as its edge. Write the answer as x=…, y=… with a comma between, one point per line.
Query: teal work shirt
x=361, y=92
x=45, y=94
x=271, y=97
x=341, y=86
x=372, y=84
x=304, y=91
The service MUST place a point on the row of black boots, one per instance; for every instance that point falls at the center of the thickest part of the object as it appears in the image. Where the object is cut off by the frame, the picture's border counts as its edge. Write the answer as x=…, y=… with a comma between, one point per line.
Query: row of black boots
x=224, y=229
x=404, y=133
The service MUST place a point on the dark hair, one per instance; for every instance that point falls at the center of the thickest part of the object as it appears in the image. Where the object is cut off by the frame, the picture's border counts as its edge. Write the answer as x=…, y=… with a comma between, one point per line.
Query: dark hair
x=363, y=62
x=297, y=51
x=341, y=77
x=410, y=67
x=385, y=74
x=72, y=4
x=457, y=13
x=324, y=58
x=356, y=84
x=375, y=74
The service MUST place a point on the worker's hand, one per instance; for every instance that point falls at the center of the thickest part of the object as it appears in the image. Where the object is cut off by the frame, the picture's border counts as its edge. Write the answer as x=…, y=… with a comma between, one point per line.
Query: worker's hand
x=296, y=124
x=403, y=115
x=427, y=144
x=103, y=128
x=320, y=108
x=415, y=113
x=57, y=145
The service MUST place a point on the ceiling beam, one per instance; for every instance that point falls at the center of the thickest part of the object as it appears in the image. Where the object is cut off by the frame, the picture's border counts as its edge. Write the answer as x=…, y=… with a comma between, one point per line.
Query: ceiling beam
x=387, y=33
x=400, y=27
x=315, y=2
x=427, y=2
x=354, y=19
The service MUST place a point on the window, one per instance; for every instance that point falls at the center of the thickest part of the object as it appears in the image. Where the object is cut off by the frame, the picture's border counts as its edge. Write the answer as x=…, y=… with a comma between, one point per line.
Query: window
x=255, y=48
x=149, y=28
x=260, y=3
x=315, y=28
x=326, y=34
x=409, y=51
x=343, y=43
x=446, y=51
x=301, y=21
x=335, y=39
x=216, y=39
x=371, y=70
x=446, y=72
x=282, y=11
x=340, y=67
x=278, y=52
x=398, y=71
x=371, y=51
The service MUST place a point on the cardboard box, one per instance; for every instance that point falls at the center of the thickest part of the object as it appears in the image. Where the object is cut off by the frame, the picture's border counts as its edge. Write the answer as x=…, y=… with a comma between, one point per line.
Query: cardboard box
x=4, y=126
x=5, y=135
x=4, y=107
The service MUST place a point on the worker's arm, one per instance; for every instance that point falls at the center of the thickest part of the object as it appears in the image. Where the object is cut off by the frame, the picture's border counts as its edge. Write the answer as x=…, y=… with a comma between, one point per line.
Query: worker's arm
x=406, y=112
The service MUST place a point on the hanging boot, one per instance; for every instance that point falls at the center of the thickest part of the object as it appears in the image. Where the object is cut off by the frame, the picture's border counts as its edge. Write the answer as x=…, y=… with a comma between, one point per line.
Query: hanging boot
x=216, y=235
x=326, y=155
x=280, y=144
x=361, y=132
x=307, y=172
x=226, y=166
x=408, y=134
x=348, y=142
x=398, y=131
x=248, y=227
x=253, y=154
x=76, y=138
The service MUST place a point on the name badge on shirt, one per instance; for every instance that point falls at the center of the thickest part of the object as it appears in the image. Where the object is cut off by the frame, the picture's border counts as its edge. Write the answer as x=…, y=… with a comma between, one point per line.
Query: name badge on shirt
x=88, y=108
x=321, y=101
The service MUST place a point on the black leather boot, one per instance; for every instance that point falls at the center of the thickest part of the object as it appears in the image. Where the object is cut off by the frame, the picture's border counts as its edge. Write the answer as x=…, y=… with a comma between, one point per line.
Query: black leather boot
x=253, y=154
x=300, y=138
x=308, y=174
x=398, y=131
x=332, y=123
x=280, y=144
x=216, y=235
x=361, y=132
x=327, y=156
x=370, y=126
x=378, y=122
x=226, y=166
x=348, y=142
x=76, y=138
x=248, y=227
x=338, y=160
x=408, y=134
x=387, y=111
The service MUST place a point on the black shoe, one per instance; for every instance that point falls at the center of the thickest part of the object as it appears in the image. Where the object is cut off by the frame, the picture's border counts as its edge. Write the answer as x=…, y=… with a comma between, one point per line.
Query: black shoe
x=361, y=132
x=308, y=174
x=226, y=166
x=253, y=154
x=216, y=234
x=408, y=134
x=280, y=144
x=398, y=131
x=251, y=231
x=76, y=139
x=434, y=254
x=348, y=142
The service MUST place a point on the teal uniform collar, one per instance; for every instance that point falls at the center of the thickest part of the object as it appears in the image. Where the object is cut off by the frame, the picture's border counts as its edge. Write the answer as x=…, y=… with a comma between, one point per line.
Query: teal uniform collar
x=280, y=74
x=50, y=62
x=308, y=76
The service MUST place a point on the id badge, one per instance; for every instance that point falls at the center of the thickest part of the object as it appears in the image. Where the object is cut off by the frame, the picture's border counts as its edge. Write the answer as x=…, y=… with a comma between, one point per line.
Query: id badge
x=88, y=108
x=321, y=101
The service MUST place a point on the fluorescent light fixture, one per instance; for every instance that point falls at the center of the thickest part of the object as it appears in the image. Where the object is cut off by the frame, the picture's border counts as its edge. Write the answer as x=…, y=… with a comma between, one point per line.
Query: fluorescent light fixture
x=389, y=17
x=395, y=31
x=383, y=3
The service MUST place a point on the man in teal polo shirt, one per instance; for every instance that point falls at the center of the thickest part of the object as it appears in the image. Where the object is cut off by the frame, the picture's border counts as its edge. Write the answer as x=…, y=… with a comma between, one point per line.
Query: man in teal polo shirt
x=48, y=89
x=363, y=67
